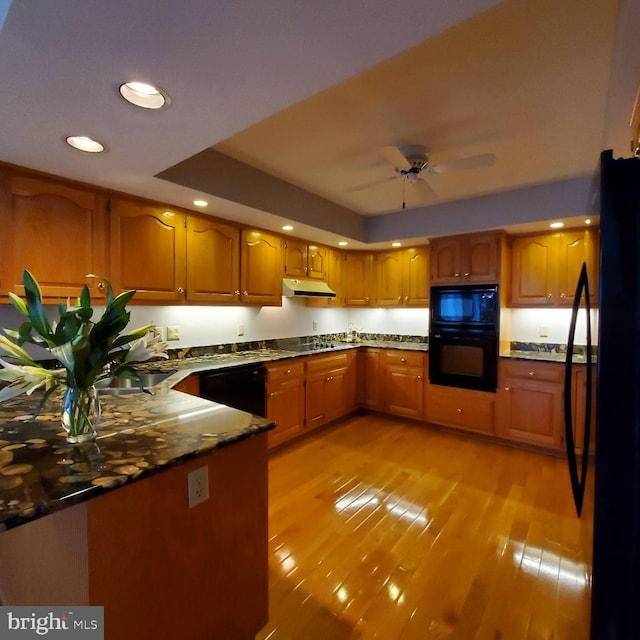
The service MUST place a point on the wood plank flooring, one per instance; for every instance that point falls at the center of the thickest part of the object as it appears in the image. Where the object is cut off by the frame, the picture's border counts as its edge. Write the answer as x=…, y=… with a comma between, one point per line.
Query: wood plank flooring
x=382, y=528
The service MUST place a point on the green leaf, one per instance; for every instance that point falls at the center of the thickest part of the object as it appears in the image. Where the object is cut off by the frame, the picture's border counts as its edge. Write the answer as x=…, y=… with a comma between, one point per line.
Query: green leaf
x=44, y=399
x=121, y=300
x=19, y=304
x=34, y=305
x=85, y=298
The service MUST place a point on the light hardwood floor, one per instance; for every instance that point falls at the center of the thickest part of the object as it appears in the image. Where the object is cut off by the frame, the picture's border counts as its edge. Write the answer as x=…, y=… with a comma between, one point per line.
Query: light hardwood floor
x=382, y=528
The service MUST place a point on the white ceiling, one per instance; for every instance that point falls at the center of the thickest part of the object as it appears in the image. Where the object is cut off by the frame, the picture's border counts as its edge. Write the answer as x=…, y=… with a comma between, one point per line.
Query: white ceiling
x=300, y=96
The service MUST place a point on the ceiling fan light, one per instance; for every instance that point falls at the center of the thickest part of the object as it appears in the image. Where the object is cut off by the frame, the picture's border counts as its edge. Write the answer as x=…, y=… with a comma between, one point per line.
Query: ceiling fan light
x=144, y=95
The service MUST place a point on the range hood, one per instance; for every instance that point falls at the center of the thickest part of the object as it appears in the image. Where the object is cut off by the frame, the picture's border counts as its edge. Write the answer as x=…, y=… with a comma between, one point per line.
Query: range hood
x=292, y=288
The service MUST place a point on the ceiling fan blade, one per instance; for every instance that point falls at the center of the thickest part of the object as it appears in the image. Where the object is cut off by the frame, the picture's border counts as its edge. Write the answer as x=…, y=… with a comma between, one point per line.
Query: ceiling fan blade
x=394, y=156
x=369, y=185
x=426, y=190
x=470, y=162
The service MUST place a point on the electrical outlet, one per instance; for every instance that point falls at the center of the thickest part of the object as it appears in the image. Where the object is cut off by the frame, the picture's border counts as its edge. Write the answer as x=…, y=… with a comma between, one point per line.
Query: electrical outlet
x=544, y=331
x=198, y=486
x=315, y=325
x=157, y=332
x=240, y=329
x=173, y=333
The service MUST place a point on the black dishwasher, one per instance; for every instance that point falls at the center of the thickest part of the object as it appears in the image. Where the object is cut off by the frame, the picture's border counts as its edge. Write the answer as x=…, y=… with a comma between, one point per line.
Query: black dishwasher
x=241, y=387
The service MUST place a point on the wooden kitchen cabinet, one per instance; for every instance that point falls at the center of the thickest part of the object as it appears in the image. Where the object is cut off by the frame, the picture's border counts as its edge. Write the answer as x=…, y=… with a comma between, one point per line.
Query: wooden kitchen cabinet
x=368, y=379
x=578, y=401
x=285, y=400
x=260, y=268
x=403, y=382
x=148, y=251
x=403, y=277
x=546, y=266
x=190, y=385
x=302, y=260
x=212, y=261
x=530, y=402
x=467, y=259
x=330, y=388
x=461, y=408
x=54, y=229
x=359, y=279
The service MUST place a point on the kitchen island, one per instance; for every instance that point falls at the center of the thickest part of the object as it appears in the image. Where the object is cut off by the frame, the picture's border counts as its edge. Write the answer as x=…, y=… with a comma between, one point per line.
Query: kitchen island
x=119, y=531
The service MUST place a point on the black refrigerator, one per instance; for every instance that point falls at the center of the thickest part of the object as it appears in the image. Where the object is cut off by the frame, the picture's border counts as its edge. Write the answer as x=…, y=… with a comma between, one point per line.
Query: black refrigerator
x=615, y=604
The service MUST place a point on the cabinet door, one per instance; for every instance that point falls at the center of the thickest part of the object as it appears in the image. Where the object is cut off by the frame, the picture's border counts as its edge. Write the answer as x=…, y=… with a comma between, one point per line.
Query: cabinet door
x=59, y=233
x=579, y=399
x=213, y=261
x=575, y=248
x=368, y=379
x=481, y=258
x=147, y=251
x=416, y=277
x=359, y=279
x=335, y=280
x=445, y=261
x=285, y=405
x=336, y=394
x=461, y=408
x=260, y=268
x=390, y=279
x=190, y=385
x=295, y=258
x=532, y=279
x=317, y=262
x=404, y=391
x=315, y=400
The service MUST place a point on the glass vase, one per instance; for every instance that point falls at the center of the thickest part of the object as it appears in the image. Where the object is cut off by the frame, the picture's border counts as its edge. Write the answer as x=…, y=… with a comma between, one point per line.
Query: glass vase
x=80, y=414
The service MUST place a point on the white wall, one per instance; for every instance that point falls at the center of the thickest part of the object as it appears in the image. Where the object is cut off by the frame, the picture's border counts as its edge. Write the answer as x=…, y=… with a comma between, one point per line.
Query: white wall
x=219, y=325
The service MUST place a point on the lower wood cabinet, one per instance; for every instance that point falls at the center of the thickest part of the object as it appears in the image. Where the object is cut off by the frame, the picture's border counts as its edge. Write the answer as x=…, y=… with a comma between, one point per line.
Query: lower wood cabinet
x=368, y=393
x=579, y=403
x=285, y=400
x=190, y=385
x=403, y=382
x=330, y=387
x=461, y=408
x=530, y=402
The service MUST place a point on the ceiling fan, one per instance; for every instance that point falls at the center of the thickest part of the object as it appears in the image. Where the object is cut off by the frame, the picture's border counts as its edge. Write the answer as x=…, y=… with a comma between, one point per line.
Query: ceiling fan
x=411, y=164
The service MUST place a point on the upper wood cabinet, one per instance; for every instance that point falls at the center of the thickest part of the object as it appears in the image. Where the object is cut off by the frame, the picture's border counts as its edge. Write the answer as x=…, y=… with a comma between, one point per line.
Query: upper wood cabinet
x=359, y=279
x=403, y=277
x=260, y=268
x=302, y=260
x=53, y=229
x=545, y=267
x=148, y=251
x=467, y=259
x=213, y=261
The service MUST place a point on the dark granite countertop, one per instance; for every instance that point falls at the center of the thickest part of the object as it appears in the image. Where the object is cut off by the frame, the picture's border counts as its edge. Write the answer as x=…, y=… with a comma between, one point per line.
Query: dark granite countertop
x=139, y=434
x=546, y=356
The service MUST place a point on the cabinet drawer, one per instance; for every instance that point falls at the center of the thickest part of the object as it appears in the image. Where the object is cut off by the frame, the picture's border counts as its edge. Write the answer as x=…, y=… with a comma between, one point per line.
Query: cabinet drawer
x=530, y=370
x=404, y=358
x=464, y=408
x=285, y=370
x=322, y=362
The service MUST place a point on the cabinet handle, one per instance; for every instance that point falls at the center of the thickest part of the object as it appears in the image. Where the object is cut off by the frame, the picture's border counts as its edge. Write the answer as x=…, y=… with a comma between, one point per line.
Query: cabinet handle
x=507, y=388
x=549, y=295
x=399, y=298
x=288, y=371
x=272, y=395
x=236, y=292
x=245, y=293
x=180, y=289
x=366, y=299
x=403, y=359
x=419, y=377
x=563, y=295
x=532, y=373
x=101, y=286
x=406, y=298
x=466, y=274
x=457, y=275
x=459, y=410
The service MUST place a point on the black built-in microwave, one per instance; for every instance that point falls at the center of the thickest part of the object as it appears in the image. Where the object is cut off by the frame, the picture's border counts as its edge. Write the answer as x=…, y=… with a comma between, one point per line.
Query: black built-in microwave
x=465, y=307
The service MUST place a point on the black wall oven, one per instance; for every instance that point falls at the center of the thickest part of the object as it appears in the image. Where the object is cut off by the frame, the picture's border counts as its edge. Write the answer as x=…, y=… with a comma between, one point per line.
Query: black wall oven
x=463, y=336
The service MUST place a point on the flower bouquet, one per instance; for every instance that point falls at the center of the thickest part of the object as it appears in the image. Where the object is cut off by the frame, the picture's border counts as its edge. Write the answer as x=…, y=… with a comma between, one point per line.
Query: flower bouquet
x=88, y=351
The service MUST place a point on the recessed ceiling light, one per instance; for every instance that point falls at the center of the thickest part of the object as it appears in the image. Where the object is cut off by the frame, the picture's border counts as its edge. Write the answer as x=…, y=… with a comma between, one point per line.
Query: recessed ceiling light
x=287, y=227
x=144, y=95
x=557, y=225
x=200, y=203
x=587, y=221
x=342, y=243
x=84, y=143
x=396, y=244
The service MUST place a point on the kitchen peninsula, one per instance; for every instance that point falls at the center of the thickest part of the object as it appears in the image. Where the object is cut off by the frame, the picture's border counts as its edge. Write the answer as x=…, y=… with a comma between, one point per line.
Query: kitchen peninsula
x=118, y=530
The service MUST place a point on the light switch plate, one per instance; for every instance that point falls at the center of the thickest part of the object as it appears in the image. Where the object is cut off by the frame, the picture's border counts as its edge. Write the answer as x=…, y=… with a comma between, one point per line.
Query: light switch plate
x=173, y=333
